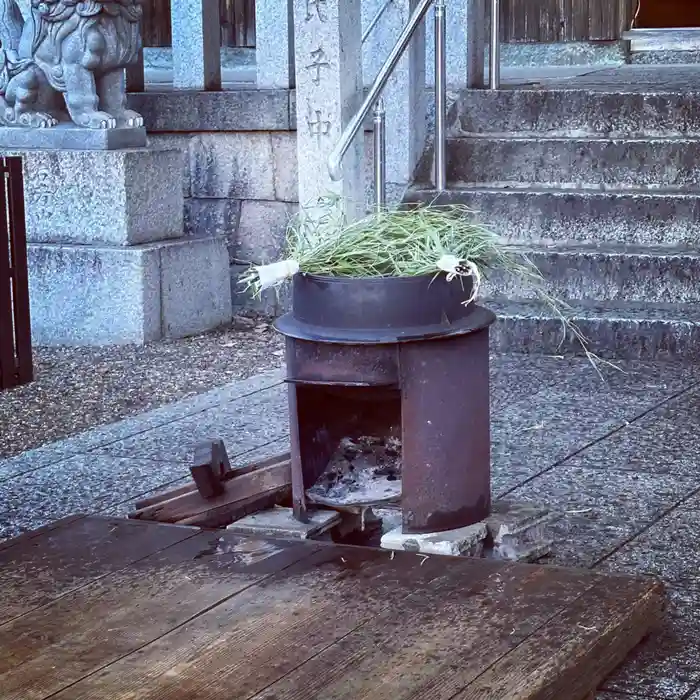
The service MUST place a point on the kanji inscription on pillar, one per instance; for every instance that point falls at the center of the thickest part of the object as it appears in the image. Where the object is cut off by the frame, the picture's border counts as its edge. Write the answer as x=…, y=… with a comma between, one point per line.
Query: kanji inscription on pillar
x=319, y=125
x=328, y=49
x=316, y=9
x=319, y=63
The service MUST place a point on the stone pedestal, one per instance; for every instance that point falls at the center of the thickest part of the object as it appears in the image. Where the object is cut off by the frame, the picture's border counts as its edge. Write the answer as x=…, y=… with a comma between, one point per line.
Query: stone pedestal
x=108, y=261
x=328, y=55
x=113, y=197
x=513, y=532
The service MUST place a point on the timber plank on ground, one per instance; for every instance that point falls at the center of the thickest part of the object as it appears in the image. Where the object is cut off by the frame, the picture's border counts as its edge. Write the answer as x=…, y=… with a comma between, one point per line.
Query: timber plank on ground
x=254, y=487
x=215, y=614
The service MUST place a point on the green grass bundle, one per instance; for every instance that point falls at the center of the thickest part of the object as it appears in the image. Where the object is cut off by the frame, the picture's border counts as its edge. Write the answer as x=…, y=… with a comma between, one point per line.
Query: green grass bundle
x=397, y=243
x=414, y=241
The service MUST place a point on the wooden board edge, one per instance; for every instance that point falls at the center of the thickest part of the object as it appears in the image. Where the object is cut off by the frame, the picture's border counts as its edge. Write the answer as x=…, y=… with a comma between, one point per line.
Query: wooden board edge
x=40, y=531
x=154, y=500
x=644, y=616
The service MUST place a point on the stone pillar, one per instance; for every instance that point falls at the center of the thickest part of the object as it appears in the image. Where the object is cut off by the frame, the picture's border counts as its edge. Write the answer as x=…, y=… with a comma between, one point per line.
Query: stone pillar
x=476, y=44
x=196, y=30
x=328, y=58
x=405, y=95
x=458, y=24
x=274, y=43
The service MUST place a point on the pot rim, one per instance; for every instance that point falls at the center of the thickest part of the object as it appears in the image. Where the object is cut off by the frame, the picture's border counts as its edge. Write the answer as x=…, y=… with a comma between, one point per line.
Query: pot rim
x=384, y=278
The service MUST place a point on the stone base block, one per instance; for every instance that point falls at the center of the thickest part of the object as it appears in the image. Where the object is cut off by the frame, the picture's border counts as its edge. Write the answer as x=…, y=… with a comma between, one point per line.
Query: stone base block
x=280, y=522
x=114, y=197
x=69, y=136
x=518, y=531
x=513, y=532
x=465, y=541
x=102, y=295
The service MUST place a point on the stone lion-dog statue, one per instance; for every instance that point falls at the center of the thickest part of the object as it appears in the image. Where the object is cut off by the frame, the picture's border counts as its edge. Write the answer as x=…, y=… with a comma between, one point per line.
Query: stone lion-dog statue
x=68, y=54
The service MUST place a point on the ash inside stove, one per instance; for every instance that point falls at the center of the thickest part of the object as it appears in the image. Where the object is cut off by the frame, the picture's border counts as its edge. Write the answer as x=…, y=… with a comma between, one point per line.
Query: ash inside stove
x=362, y=472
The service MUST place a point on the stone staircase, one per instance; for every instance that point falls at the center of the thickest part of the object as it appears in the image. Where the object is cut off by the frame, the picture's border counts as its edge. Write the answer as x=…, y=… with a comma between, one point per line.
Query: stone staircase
x=600, y=186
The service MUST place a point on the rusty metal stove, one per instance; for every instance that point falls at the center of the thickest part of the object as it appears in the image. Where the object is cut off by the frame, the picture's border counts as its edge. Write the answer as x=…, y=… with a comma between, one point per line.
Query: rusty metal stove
x=365, y=356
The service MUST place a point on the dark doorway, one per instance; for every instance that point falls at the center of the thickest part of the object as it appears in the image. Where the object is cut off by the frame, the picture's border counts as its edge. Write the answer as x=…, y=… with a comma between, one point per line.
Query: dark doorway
x=656, y=14
x=15, y=333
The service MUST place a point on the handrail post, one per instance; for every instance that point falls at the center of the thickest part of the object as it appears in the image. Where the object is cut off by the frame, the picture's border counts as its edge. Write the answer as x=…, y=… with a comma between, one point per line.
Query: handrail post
x=440, y=97
x=380, y=155
x=355, y=125
x=495, y=48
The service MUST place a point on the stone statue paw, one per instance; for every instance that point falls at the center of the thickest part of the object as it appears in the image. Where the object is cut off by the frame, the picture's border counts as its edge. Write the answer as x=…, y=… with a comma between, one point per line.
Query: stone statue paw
x=36, y=120
x=96, y=120
x=129, y=119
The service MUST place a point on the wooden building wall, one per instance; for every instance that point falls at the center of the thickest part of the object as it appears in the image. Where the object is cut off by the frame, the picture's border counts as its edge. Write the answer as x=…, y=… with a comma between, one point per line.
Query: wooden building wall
x=522, y=21
x=237, y=23
x=565, y=20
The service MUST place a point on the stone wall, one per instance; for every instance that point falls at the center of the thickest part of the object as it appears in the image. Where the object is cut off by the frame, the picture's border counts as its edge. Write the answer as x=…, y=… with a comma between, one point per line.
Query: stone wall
x=241, y=185
x=240, y=170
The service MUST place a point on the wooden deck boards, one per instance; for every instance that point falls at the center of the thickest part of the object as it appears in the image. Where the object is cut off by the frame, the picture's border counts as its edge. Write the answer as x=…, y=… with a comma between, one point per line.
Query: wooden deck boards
x=106, y=608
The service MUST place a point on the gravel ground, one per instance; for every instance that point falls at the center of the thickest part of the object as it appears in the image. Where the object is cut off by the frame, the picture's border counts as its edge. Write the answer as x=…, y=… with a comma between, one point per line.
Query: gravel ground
x=80, y=388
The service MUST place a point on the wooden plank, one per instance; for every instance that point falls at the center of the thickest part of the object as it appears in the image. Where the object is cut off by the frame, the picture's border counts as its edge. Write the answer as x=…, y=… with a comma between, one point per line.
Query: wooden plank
x=40, y=568
x=263, y=482
x=604, y=22
x=626, y=11
x=267, y=631
x=431, y=648
x=574, y=16
x=38, y=532
x=52, y=648
x=576, y=650
x=7, y=342
x=20, y=272
x=219, y=615
x=191, y=487
x=227, y=513
x=155, y=27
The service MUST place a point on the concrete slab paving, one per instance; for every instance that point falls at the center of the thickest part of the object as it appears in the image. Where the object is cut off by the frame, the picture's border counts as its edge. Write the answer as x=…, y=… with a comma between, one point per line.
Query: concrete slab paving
x=243, y=425
x=561, y=436
x=602, y=509
x=665, y=441
x=668, y=549
x=80, y=484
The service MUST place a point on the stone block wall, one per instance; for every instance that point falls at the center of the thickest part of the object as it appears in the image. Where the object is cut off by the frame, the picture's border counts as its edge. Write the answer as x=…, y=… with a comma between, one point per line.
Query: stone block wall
x=240, y=171
x=240, y=185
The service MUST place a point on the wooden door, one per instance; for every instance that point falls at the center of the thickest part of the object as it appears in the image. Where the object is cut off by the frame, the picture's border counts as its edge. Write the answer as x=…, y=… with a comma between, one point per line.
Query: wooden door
x=668, y=13
x=549, y=21
x=237, y=23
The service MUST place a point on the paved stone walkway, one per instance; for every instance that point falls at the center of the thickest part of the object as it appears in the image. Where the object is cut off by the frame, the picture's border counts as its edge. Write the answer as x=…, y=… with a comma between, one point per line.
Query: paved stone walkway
x=619, y=457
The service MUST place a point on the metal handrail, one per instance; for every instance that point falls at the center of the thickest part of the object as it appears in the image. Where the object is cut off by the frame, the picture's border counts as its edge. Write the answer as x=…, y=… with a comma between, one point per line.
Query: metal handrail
x=355, y=124
x=373, y=99
x=375, y=20
x=495, y=46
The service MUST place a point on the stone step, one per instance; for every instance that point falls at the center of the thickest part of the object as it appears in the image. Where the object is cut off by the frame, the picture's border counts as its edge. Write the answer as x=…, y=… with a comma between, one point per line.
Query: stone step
x=616, y=274
x=617, y=331
x=606, y=111
x=542, y=215
x=612, y=164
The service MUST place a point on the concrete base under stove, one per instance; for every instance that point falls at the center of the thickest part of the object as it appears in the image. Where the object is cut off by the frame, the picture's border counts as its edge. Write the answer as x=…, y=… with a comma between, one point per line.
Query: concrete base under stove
x=514, y=532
